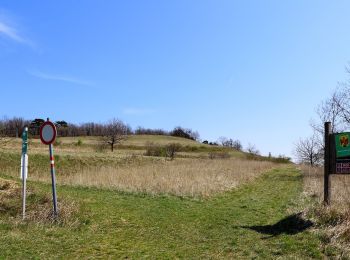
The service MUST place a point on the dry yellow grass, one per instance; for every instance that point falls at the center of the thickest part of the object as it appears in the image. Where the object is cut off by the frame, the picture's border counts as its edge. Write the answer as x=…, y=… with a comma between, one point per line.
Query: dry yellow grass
x=129, y=170
x=41, y=211
x=8, y=188
x=313, y=185
x=184, y=177
x=92, y=146
x=334, y=220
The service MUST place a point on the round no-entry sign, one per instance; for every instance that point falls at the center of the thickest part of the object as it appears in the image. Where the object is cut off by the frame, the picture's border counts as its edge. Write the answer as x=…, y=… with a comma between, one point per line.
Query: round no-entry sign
x=48, y=133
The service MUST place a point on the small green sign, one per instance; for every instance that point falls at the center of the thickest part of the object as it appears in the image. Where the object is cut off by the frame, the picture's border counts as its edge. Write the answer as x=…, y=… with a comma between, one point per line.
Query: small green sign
x=342, y=144
x=25, y=141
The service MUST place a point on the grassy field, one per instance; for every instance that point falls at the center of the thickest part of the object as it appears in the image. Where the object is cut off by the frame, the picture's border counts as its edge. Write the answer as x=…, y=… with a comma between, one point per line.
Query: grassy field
x=129, y=170
x=252, y=221
x=127, y=205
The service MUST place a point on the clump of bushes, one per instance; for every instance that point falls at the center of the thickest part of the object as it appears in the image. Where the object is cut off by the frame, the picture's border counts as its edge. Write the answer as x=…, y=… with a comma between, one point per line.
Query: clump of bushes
x=185, y=133
x=154, y=150
x=79, y=142
x=280, y=159
x=168, y=151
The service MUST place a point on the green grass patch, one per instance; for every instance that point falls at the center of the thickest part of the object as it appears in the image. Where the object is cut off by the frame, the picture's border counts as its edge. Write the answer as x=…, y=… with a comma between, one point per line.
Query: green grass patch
x=248, y=222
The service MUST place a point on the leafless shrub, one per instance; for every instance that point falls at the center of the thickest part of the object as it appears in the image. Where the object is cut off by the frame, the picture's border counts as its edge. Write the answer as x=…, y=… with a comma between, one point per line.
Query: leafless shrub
x=171, y=150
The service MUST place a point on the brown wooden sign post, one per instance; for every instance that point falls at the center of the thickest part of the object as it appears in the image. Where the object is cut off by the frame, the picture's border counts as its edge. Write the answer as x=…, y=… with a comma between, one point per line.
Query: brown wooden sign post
x=327, y=161
x=336, y=157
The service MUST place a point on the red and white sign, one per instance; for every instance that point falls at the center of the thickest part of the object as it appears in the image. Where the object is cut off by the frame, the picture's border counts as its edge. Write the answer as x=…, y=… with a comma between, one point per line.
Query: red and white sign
x=48, y=133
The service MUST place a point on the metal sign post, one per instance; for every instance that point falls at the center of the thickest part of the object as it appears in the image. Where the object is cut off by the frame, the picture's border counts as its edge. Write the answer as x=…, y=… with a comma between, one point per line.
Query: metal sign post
x=53, y=181
x=24, y=169
x=48, y=134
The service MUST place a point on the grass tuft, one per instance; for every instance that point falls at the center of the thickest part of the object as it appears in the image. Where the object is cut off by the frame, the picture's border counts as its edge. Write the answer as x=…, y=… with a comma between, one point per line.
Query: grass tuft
x=333, y=221
x=39, y=208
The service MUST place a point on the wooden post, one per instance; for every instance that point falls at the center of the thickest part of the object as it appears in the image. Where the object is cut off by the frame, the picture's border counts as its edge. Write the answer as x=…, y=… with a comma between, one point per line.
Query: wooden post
x=327, y=161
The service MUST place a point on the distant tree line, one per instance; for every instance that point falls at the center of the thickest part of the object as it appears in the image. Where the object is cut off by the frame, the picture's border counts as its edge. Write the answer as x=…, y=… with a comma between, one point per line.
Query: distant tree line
x=114, y=131
x=177, y=132
x=13, y=127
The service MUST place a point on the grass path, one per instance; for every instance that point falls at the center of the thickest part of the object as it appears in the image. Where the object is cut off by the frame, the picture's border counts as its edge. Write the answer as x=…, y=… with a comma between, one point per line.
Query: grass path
x=236, y=224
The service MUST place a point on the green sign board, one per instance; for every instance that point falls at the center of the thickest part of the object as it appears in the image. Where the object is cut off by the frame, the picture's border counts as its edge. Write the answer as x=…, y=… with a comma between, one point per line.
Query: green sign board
x=25, y=141
x=342, y=144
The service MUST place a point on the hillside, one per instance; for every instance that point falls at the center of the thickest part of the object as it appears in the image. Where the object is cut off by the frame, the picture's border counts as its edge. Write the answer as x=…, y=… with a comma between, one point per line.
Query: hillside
x=207, y=202
x=197, y=168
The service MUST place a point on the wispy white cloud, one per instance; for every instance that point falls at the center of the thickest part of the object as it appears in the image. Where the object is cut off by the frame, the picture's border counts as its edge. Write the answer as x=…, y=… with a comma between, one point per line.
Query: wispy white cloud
x=137, y=111
x=9, y=29
x=10, y=32
x=64, y=78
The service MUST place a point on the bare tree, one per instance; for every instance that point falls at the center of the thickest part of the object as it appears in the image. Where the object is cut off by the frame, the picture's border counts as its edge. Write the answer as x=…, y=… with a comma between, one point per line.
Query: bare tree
x=224, y=141
x=252, y=149
x=115, y=132
x=308, y=151
x=237, y=145
x=335, y=109
x=340, y=101
x=329, y=110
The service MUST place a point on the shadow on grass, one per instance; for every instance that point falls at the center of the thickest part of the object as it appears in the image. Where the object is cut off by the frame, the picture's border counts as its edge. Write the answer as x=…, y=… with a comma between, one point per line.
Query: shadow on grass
x=290, y=225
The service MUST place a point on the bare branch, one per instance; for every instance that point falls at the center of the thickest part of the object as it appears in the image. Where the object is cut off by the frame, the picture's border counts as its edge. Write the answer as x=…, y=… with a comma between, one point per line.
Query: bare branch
x=115, y=132
x=308, y=151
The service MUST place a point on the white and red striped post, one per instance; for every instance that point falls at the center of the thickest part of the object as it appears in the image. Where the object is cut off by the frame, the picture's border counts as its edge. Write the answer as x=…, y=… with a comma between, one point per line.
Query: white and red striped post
x=48, y=135
x=53, y=179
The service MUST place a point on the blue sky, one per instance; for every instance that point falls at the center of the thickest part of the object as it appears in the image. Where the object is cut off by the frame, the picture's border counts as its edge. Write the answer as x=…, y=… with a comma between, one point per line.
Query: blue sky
x=250, y=70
